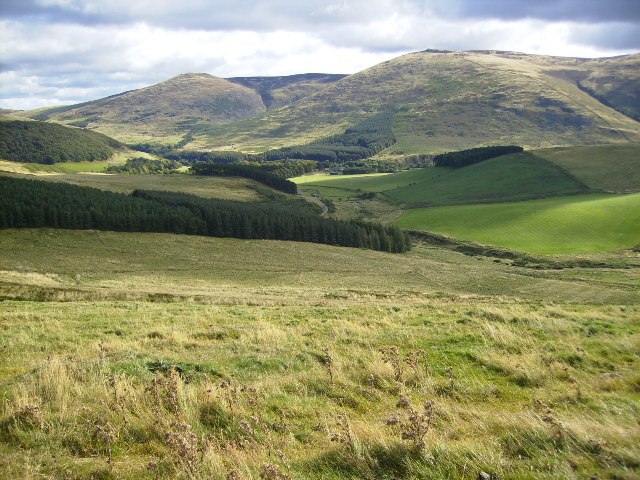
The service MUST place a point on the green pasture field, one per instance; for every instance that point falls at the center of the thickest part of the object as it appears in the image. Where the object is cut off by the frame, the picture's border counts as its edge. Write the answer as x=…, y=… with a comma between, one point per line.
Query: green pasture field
x=353, y=185
x=613, y=168
x=507, y=178
x=575, y=224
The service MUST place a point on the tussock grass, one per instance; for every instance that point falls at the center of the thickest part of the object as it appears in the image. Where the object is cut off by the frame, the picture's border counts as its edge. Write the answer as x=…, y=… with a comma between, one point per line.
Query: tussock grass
x=188, y=357
x=446, y=390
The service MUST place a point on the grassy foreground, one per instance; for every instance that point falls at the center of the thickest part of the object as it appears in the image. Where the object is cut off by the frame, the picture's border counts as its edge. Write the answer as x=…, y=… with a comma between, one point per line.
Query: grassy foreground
x=446, y=390
x=128, y=356
x=578, y=224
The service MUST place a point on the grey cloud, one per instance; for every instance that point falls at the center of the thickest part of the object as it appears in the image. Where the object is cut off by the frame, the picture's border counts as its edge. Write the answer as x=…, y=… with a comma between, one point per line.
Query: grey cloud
x=297, y=14
x=588, y=11
x=199, y=14
x=616, y=36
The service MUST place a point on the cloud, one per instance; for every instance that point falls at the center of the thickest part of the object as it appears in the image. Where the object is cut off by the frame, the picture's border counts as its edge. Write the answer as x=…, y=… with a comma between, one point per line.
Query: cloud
x=615, y=36
x=65, y=51
x=288, y=14
x=582, y=11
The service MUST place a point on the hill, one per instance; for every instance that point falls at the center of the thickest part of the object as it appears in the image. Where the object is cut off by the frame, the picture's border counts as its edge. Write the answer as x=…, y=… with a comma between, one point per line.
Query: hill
x=40, y=142
x=454, y=100
x=163, y=112
x=614, y=81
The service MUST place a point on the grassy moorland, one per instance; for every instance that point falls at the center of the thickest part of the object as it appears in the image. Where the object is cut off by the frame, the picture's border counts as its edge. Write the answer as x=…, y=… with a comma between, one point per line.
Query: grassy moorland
x=230, y=188
x=62, y=167
x=119, y=156
x=577, y=224
x=68, y=265
x=161, y=356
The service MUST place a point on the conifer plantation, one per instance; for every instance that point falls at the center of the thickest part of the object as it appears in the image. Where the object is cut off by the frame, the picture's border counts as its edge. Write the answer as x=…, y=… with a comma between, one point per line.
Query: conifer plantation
x=35, y=204
x=464, y=158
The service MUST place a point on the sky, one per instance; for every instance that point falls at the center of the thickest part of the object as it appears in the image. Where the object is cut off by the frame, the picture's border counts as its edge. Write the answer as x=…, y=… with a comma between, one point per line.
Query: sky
x=55, y=52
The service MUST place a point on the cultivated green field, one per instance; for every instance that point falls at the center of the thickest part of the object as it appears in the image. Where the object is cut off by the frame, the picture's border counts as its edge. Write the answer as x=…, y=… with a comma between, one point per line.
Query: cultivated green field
x=586, y=223
x=347, y=186
x=613, y=168
x=507, y=178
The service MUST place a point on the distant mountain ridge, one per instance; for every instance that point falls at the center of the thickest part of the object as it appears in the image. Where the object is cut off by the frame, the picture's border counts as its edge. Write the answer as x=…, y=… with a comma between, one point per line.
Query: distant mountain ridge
x=440, y=100
x=450, y=100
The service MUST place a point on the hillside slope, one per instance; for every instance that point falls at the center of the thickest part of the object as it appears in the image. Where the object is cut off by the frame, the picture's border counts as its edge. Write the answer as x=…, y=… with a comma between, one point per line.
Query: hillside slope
x=613, y=81
x=519, y=176
x=163, y=112
x=454, y=100
x=575, y=224
x=281, y=91
x=611, y=168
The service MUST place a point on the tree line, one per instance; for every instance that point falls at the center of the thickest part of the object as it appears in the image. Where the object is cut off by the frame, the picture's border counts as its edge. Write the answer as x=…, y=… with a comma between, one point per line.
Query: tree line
x=470, y=156
x=145, y=166
x=34, y=204
x=49, y=143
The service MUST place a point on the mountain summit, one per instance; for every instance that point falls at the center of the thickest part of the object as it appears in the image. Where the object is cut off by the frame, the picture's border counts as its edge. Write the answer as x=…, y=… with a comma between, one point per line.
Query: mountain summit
x=164, y=109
